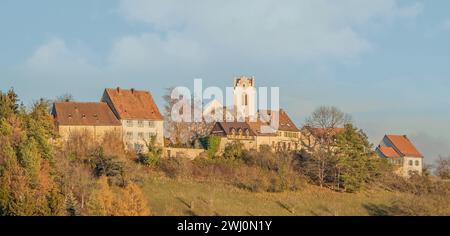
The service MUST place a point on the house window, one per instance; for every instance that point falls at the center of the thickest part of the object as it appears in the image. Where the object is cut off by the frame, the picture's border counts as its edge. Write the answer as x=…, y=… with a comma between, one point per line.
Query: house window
x=140, y=123
x=410, y=162
x=151, y=124
x=417, y=163
x=129, y=123
x=129, y=135
x=140, y=135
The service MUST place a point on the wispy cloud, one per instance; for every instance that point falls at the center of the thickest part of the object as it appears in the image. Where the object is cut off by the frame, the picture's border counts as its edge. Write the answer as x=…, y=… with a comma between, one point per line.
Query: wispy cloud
x=302, y=30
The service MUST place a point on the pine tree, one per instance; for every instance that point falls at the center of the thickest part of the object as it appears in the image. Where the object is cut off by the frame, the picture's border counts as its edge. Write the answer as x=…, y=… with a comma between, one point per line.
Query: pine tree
x=71, y=204
x=355, y=159
x=15, y=195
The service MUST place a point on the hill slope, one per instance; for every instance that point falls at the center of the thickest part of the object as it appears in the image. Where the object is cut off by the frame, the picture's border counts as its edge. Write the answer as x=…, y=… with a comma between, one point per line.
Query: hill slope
x=182, y=197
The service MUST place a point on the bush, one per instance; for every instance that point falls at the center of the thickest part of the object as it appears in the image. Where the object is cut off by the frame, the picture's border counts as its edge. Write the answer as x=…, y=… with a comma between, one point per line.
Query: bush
x=235, y=151
x=213, y=143
x=176, y=167
x=108, y=166
x=417, y=185
x=152, y=157
x=148, y=159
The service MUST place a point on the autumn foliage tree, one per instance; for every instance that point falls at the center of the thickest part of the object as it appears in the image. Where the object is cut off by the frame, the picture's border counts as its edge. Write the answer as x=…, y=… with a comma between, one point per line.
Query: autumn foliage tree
x=27, y=177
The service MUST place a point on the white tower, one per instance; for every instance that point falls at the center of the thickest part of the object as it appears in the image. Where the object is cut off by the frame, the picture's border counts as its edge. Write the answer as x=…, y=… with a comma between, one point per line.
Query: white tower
x=244, y=97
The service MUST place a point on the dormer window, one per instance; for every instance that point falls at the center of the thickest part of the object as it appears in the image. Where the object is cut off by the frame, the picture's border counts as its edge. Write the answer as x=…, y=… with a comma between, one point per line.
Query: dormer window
x=83, y=116
x=233, y=131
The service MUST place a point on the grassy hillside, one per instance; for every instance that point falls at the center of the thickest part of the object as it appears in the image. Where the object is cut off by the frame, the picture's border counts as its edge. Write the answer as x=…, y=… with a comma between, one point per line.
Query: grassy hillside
x=181, y=197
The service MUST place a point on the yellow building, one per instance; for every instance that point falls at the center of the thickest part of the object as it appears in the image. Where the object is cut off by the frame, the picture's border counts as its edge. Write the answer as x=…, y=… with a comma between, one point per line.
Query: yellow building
x=93, y=118
x=287, y=137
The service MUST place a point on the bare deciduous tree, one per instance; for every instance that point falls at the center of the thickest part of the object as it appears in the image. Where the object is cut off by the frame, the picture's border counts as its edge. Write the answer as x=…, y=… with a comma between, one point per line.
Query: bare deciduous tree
x=183, y=133
x=319, y=137
x=67, y=97
x=443, y=167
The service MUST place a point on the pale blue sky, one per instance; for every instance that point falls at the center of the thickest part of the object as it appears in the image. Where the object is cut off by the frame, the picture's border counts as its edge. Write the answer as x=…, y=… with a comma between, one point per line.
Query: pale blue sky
x=386, y=62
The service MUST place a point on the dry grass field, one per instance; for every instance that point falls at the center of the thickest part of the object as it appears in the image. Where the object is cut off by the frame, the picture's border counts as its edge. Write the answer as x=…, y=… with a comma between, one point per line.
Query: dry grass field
x=184, y=197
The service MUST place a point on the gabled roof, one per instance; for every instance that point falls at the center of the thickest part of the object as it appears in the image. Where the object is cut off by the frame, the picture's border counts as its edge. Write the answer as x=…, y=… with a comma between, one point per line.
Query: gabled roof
x=285, y=123
x=84, y=113
x=403, y=145
x=227, y=127
x=388, y=152
x=133, y=104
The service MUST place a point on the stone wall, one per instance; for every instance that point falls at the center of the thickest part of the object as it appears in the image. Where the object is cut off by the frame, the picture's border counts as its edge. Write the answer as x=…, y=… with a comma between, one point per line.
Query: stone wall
x=189, y=153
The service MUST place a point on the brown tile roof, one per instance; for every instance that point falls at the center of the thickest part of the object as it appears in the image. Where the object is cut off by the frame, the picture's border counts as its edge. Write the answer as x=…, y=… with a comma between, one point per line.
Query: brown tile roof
x=285, y=123
x=133, y=104
x=388, y=152
x=404, y=145
x=227, y=127
x=84, y=113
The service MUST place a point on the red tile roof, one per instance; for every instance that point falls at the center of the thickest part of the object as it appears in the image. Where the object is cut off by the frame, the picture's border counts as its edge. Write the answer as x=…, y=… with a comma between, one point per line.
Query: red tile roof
x=388, y=152
x=133, y=104
x=84, y=113
x=404, y=145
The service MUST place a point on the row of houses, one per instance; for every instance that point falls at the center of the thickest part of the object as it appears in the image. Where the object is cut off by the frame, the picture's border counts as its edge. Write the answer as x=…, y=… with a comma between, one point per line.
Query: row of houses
x=134, y=115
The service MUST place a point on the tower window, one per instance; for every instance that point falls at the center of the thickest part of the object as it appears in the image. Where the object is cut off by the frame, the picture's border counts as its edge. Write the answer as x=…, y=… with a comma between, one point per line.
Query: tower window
x=245, y=99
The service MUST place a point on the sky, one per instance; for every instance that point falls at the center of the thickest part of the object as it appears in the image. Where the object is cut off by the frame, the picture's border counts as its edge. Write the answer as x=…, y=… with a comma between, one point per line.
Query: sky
x=385, y=62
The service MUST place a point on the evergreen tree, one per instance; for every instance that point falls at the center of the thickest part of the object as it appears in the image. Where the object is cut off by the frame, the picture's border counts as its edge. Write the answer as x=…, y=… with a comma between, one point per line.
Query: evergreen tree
x=30, y=160
x=71, y=204
x=356, y=162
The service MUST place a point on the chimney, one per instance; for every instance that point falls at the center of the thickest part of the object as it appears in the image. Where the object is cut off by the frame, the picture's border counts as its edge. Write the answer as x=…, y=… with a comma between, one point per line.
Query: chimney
x=118, y=89
x=132, y=90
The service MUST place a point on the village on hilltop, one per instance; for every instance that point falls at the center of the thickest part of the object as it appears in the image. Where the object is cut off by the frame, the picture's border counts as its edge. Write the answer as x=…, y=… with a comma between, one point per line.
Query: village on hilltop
x=135, y=117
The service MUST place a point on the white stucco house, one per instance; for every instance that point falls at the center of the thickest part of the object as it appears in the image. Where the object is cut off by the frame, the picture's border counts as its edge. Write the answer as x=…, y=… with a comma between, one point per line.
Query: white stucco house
x=139, y=116
x=401, y=152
